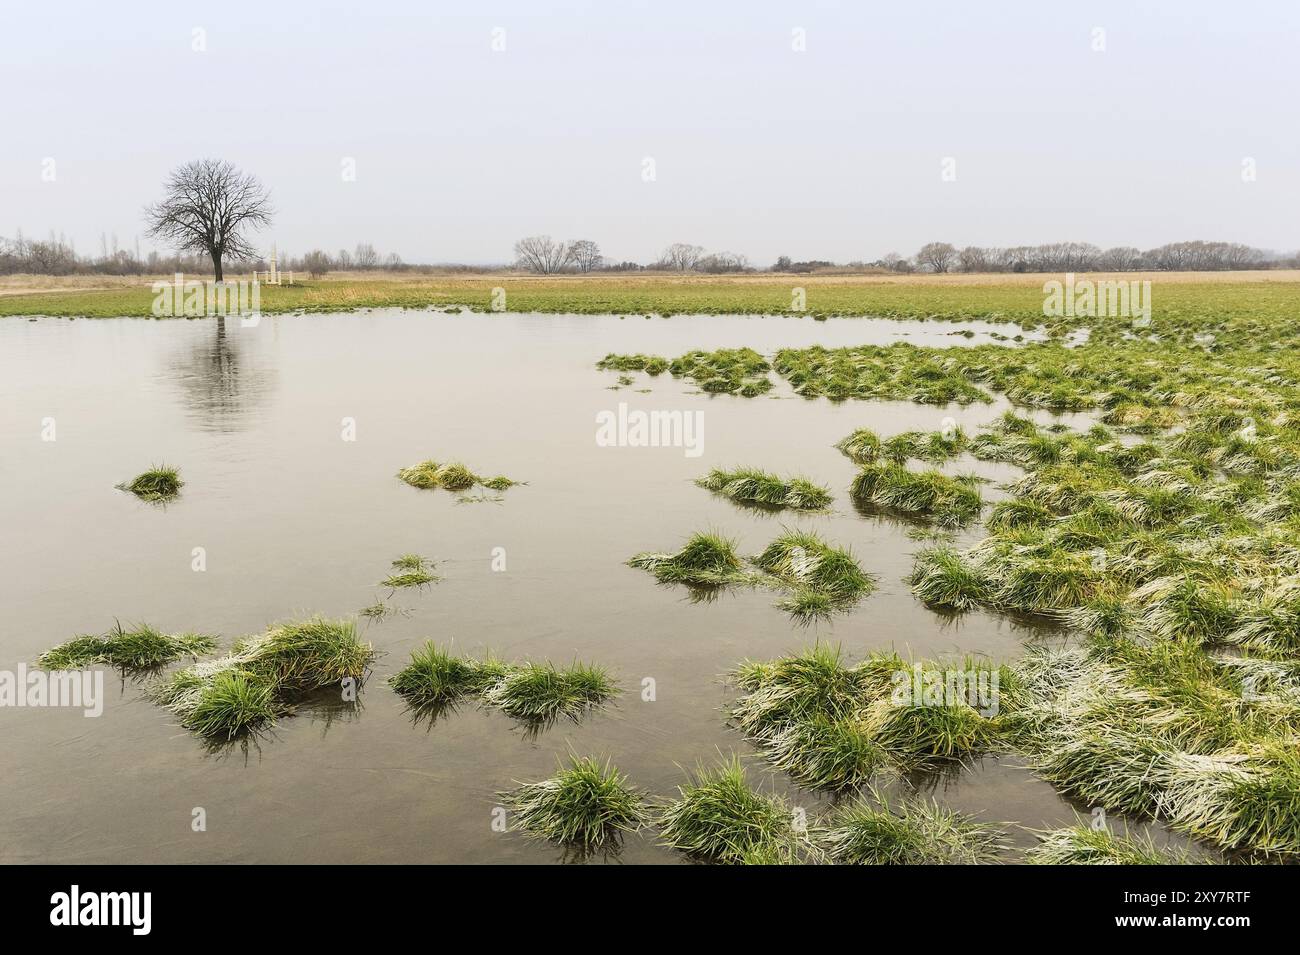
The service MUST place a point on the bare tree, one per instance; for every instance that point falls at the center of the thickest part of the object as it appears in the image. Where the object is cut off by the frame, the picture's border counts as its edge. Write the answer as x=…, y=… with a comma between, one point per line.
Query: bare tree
x=1199, y=255
x=1238, y=256
x=541, y=253
x=896, y=263
x=973, y=259
x=937, y=256
x=316, y=263
x=207, y=208
x=585, y=254
x=718, y=262
x=366, y=256
x=1122, y=258
x=681, y=256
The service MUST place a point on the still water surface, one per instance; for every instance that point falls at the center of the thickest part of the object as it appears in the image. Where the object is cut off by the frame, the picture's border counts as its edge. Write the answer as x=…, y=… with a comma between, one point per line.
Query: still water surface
x=294, y=520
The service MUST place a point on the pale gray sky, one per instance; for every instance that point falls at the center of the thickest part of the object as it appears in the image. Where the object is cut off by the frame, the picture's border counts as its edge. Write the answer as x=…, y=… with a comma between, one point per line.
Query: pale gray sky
x=835, y=152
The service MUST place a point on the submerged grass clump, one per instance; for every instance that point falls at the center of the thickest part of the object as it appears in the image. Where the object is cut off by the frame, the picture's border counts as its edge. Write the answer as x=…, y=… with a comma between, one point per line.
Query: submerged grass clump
x=1174, y=558
x=870, y=831
x=451, y=476
x=706, y=560
x=542, y=693
x=158, y=484
x=943, y=578
x=864, y=446
x=229, y=704
x=1083, y=845
x=1164, y=729
x=740, y=371
x=832, y=726
x=650, y=364
x=820, y=578
x=264, y=676
x=537, y=694
x=950, y=502
x=140, y=648
x=379, y=610
x=752, y=486
x=436, y=678
x=899, y=372
x=826, y=752
x=719, y=818
x=411, y=570
x=585, y=806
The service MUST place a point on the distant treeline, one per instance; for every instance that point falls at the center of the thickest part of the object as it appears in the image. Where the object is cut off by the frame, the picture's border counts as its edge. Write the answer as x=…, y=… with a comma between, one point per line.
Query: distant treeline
x=57, y=256
x=544, y=255
x=1194, y=256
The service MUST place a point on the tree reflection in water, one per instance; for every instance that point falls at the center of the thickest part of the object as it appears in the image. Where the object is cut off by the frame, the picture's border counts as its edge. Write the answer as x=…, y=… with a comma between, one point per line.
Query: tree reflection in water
x=221, y=382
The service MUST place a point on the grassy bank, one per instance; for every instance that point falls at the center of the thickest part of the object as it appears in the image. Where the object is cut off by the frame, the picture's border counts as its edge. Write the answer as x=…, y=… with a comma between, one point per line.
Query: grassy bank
x=1185, y=297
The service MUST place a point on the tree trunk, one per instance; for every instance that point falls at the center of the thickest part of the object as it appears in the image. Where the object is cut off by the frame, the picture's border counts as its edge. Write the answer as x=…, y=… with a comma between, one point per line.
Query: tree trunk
x=216, y=264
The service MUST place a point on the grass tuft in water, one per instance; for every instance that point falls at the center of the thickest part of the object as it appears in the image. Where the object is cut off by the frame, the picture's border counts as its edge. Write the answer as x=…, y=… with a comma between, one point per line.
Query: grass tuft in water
x=728, y=371
x=752, y=486
x=831, y=726
x=820, y=578
x=650, y=364
x=950, y=502
x=138, y=649
x=870, y=831
x=1016, y=513
x=943, y=578
x=264, y=676
x=379, y=610
x=798, y=687
x=719, y=818
x=706, y=560
x=825, y=753
x=158, y=484
x=1161, y=728
x=536, y=694
x=411, y=570
x=863, y=446
x=451, y=476
x=436, y=678
x=1083, y=845
x=542, y=693
x=585, y=806
x=231, y=703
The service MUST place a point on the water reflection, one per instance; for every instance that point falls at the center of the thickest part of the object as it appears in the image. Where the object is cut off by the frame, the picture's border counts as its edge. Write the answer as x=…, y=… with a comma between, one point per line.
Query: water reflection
x=322, y=707
x=221, y=379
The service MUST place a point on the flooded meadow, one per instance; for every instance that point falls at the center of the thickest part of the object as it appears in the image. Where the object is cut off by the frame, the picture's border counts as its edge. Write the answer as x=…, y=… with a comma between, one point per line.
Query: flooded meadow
x=289, y=435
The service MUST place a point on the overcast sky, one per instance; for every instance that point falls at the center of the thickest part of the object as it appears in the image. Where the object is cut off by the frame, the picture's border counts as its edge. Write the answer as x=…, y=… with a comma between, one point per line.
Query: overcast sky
x=836, y=152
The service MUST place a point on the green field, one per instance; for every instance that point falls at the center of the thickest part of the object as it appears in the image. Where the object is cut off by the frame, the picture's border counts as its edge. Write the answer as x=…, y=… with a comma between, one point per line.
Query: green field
x=1259, y=300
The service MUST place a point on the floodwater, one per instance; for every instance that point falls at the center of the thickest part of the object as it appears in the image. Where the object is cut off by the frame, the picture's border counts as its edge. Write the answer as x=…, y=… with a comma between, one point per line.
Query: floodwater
x=294, y=520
